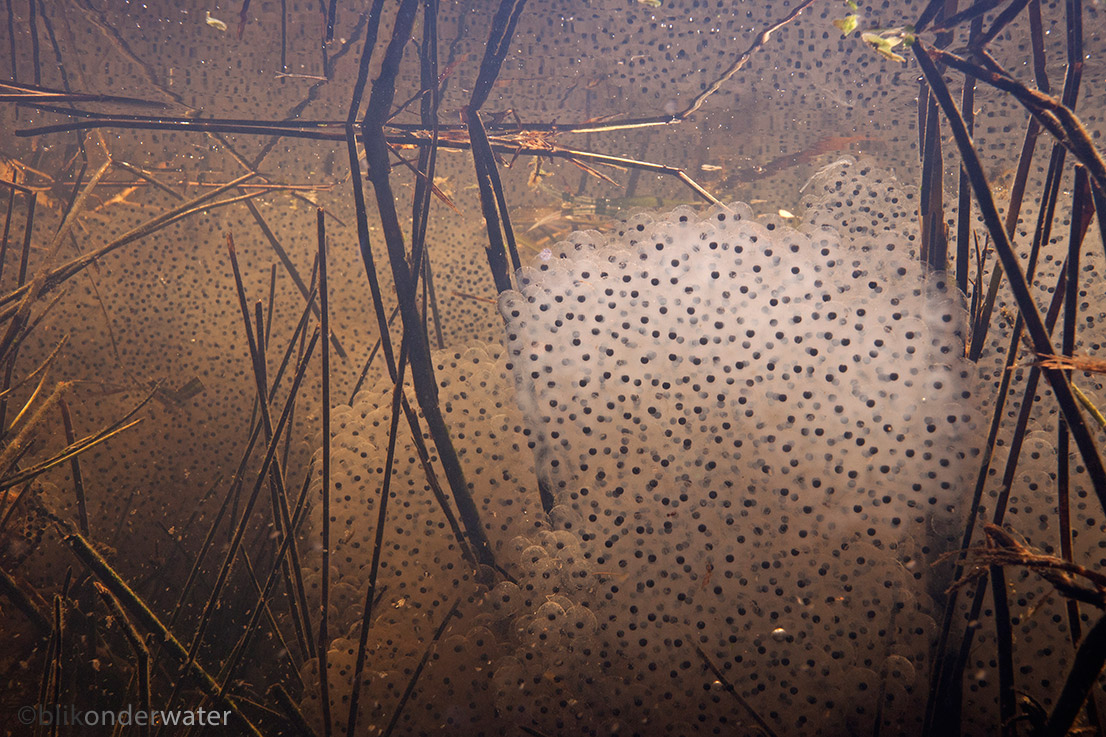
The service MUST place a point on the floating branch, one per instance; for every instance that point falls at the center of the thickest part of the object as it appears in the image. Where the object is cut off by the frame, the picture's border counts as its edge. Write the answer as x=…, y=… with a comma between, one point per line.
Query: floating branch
x=1069, y=579
x=33, y=93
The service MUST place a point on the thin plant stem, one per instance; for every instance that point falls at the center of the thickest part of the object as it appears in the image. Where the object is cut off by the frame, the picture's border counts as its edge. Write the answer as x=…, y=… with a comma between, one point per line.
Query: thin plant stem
x=324, y=618
x=75, y=468
x=413, y=680
x=138, y=646
x=1005, y=639
x=1089, y=659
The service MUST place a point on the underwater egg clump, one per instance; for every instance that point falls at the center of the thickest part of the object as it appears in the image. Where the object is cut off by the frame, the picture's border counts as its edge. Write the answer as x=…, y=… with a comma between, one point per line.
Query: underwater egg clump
x=753, y=441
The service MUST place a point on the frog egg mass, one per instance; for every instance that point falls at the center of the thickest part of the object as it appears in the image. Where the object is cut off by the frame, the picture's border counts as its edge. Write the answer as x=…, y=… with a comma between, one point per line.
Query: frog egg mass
x=706, y=435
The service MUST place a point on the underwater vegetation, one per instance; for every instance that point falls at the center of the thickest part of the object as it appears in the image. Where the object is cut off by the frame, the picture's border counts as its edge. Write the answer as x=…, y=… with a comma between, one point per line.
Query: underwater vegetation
x=611, y=367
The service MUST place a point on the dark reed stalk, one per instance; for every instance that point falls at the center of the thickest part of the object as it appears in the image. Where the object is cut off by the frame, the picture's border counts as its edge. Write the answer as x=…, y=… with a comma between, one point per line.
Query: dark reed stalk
x=1081, y=197
x=140, y=612
x=243, y=18
x=283, y=36
x=32, y=19
x=260, y=358
x=47, y=668
x=288, y=438
x=252, y=626
x=75, y=468
x=324, y=618
x=1005, y=251
x=1004, y=19
x=10, y=588
x=435, y=485
x=1041, y=231
x=331, y=12
x=931, y=206
x=14, y=463
x=13, y=506
x=356, y=180
x=1004, y=636
x=500, y=236
x=322, y=47
x=423, y=454
x=1089, y=659
x=1037, y=41
x=272, y=303
x=424, y=183
x=240, y=530
x=972, y=12
x=428, y=114
x=487, y=179
x=291, y=711
x=138, y=646
x=7, y=227
x=303, y=337
x=729, y=688
x=371, y=32
x=11, y=42
x=205, y=546
x=121, y=520
x=1052, y=179
x=1081, y=212
x=297, y=333
x=365, y=246
x=422, y=371
x=413, y=680
x=28, y=228
x=1099, y=196
x=55, y=665
x=963, y=187
x=759, y=41
x=58, y=57
x=5, y=389
x=428, y=277
x=72, y=199
x=308, y=130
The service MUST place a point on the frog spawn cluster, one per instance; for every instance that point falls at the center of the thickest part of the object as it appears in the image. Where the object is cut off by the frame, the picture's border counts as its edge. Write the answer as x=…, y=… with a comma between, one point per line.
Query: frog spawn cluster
x=755, y=439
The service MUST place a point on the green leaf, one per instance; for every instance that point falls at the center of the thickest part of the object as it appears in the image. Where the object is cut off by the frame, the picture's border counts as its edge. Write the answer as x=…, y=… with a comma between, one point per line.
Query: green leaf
x=883, y=45
x=847, y=24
